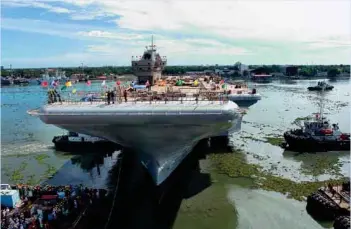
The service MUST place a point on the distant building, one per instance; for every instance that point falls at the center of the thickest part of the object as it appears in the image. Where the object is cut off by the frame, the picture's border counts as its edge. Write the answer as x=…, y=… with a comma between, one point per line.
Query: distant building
x=290, y=70
x=2, y=68
x=224, y=72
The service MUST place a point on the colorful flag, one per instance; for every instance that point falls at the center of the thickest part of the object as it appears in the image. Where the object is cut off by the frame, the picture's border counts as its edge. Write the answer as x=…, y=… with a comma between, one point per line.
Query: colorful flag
x=54, y=83
x=44, y=84
x=88, y=83
x=68, y=84
x=64, y=87
x=74, y=91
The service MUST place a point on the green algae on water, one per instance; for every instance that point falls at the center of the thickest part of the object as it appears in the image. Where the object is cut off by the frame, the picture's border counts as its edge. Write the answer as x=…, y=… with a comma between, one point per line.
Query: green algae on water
x=295, y=190
x=50, y=171
x=276, y=141
x=251, y=138
x=16, y=175
x=41, y=157
x=235, y=165
x=319, y=164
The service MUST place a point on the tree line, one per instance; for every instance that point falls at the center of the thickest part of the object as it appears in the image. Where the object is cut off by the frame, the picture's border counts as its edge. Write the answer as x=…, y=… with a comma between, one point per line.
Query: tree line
x=93, y=72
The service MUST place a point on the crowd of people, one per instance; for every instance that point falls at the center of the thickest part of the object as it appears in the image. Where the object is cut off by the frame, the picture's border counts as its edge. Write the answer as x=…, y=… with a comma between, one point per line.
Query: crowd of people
x=49, y=206
x=53, y=96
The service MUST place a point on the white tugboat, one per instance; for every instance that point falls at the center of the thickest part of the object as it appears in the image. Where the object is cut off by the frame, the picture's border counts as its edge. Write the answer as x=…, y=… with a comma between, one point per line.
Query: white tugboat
x=162, y=128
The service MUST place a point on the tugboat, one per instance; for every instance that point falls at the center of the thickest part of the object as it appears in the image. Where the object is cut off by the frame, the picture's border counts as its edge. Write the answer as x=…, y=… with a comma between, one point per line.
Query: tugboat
x=321, y=86
x=74, y=143
x=5, y=82
x=21, y=81
x=317, y=135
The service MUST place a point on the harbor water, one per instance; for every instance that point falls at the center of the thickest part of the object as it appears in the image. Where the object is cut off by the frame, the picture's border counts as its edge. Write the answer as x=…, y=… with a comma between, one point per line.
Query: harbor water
x=28, y=156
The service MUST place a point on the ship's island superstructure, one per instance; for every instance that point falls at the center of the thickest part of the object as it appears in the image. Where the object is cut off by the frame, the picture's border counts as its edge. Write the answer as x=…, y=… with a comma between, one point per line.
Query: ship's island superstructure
x=149, y=66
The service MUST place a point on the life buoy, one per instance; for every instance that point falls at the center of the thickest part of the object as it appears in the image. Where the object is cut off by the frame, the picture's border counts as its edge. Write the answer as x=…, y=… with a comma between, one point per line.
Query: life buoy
x=344, y=137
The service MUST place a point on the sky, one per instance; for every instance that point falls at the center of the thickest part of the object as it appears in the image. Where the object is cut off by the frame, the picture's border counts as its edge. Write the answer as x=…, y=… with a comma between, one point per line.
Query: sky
x=67, y=33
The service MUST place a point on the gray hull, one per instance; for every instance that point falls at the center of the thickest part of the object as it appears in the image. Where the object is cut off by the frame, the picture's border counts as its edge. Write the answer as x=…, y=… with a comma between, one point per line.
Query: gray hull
x=162, y=134
x=244, y=100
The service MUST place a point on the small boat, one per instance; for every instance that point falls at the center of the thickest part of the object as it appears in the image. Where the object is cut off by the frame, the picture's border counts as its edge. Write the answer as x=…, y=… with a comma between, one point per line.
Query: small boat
x=236, y=92
x=74, y=142
x=317, y=135
x=262, y=78
x=5, y=82
x=321, y=86
x=21, y=81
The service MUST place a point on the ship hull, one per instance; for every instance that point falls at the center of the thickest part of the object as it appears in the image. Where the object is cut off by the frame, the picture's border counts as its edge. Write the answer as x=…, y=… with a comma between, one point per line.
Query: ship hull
x=161, y=139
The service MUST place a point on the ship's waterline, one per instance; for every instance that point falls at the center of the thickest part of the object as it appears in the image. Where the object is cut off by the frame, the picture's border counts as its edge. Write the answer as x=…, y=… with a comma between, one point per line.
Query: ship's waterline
x=161, y=133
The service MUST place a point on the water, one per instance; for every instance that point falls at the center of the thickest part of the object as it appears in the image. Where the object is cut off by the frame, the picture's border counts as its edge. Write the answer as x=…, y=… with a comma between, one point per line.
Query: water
x=269, y=210
x=281, y=104
x=25, y=140
x=229, y=203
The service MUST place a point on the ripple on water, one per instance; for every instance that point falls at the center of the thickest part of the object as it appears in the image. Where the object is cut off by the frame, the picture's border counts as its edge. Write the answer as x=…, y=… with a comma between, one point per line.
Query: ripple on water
x=8, y=150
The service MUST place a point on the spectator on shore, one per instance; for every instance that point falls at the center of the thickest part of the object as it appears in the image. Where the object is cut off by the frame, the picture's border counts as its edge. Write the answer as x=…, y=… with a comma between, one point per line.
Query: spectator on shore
x=46, y=216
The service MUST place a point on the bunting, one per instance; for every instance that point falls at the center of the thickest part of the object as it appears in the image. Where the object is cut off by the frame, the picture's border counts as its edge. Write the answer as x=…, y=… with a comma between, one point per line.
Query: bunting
x=44, y=84
x=68, y=84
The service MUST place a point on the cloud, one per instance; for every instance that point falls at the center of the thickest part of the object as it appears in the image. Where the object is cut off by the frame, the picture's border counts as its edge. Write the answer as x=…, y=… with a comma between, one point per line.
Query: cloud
x=110, y=35
x=35, y=4
x=298, y=20
x=336, y=42
x=200, y=31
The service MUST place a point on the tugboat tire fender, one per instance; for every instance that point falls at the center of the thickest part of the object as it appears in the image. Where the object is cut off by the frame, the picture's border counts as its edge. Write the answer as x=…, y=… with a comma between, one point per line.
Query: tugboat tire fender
x=319, y=205
x=342, y=222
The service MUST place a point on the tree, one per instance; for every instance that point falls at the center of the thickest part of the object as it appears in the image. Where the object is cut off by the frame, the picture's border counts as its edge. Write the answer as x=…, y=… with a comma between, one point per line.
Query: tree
x=333, y=72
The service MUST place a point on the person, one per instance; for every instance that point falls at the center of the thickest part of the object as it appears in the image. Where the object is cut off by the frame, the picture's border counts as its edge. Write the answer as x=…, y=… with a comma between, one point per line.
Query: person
x=108, y=97
x=125, y=95
x=148, y=85
x=112, y=94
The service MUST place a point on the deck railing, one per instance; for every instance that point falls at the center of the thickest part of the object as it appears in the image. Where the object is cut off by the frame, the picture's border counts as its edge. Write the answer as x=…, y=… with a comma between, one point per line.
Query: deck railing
x=139, y=96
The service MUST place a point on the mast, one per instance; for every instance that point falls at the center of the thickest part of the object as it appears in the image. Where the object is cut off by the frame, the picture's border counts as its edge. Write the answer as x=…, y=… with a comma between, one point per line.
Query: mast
x=152, y=42
x=321, y=103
